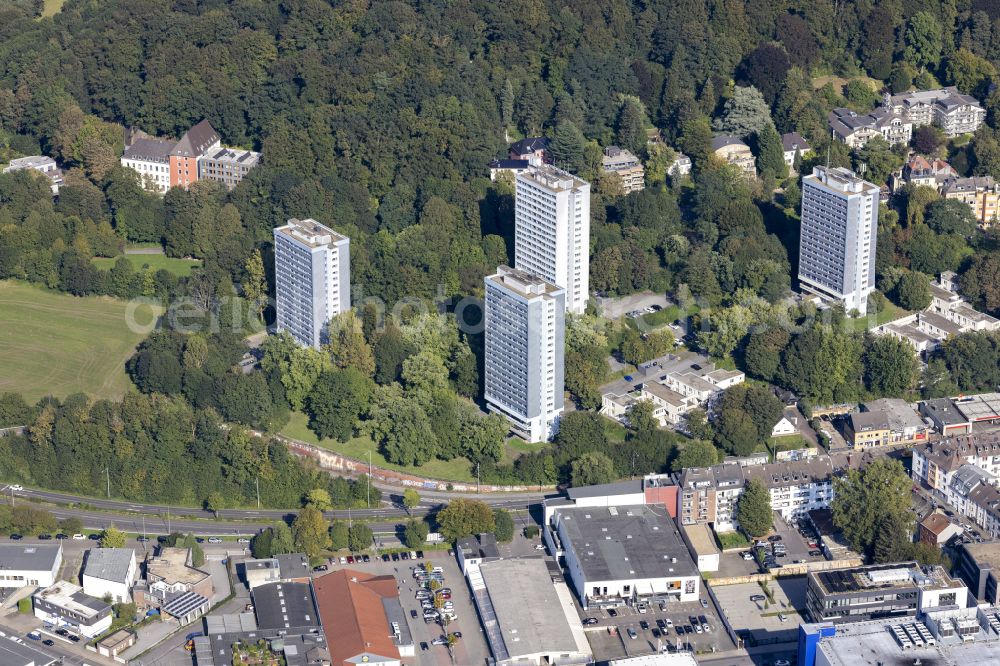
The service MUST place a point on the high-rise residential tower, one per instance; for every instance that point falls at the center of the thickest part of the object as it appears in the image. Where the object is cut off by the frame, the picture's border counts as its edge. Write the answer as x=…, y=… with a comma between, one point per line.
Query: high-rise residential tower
x=552, y=230
x=525, y=340
x=837, y=244
x=312, y=279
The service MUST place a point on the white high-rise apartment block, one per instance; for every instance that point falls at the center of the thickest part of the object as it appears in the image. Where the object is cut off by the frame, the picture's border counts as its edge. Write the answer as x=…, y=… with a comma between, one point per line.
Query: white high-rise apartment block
x=552, y=231
x=525, y=338
x=312, y=279
x=837, y=245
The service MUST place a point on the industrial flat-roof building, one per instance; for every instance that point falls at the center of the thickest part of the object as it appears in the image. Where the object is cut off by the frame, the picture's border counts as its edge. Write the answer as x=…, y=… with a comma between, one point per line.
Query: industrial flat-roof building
x=20, y=654
x=619, y=554
x=285, y=607
x=978, y=565
x=527, y=618
x=29, y=564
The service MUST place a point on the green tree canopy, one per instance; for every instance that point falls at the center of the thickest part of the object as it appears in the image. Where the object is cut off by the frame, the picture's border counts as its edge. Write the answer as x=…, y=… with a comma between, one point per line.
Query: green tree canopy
x=464, y=517
x=865, y=499
x=753, y=510
x=591, y=469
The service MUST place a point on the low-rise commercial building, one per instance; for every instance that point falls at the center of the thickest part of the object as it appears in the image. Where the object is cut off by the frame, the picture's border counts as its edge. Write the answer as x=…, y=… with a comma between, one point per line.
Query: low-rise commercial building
x=280, y=568
x=527, y=617
x=866, y=430
x=362, y=618
x=701, y=543
x=114, y=644
x=880, y=591
x=29, y=564
x=64, y=604
x=616, y=555
x=905, y=425
x=110, y=572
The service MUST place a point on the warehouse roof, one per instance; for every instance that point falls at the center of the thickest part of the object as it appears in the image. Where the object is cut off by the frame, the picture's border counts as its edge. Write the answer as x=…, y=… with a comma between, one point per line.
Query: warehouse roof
x=110, y=564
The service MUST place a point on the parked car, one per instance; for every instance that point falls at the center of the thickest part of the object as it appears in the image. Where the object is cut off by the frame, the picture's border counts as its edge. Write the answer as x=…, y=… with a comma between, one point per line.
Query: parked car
x=420, y=554
x=44, y=537
x=343, y=560
x=590, y=620
x=366, y=558
x=74, y=638
x=704, y=603
x=142, y=539
x=456, y=634
x=815, y=553
x=243, y=540
x=782, y=617
x=774, y=537
x=632, y=633
x=48, y=642
x=214, y=540
x=16, y=488
x=628, y=378
x=350, y=559
x=661, y=624
x=757, y=597
x=321, y=567
x=612, y=612
x=644, y=625
x=440, y=641
x=395, y=557
x=34, y=635
x=16, y=537
x=385, y=558
x=423, y=646
x=62, y=536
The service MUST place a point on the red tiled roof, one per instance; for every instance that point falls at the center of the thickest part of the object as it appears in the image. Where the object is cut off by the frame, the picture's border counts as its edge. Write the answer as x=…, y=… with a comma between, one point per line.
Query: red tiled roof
x=350, y=608
x=936, y=523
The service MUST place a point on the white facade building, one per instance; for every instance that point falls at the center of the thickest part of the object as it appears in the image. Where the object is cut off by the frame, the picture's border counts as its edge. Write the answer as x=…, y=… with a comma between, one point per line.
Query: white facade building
x=150, y=158
x=525, y=324
x=64, y=604
x=110, y=572
x=29, y=564
x=552, y=231
x=837, y=246
x=312, y=279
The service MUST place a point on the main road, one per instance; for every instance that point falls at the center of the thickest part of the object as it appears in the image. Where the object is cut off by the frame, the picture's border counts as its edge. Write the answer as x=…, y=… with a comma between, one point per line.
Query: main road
x=139, y=517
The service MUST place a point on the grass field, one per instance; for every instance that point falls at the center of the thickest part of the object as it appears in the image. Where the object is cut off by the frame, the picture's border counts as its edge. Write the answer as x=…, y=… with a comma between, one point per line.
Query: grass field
x=179, y=267
x=56, y=344
x=52, y=7
x=358, y=448
x=890, y=312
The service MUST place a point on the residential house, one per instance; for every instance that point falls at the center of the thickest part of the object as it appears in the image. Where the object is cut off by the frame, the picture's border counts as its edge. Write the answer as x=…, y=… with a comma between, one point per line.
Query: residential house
x=681, y=166
x=731, y=150
x=43, y=165
x=945, y=108
x=628, y=167
x=533, y=149
x=856, y=129
x=783, y=428
x=794, y=146
x=935, y=463
x=936, y=529
x=796, y=487
x=947, y=315
x=867, y=429
x=980, y=193
x=928, y=172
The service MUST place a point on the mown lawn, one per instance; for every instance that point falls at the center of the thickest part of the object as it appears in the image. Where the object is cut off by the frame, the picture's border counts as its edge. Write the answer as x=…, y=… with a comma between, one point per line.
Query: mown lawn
x=890, y=312
x=57, y=344
x=358, y=448
x=179, y=267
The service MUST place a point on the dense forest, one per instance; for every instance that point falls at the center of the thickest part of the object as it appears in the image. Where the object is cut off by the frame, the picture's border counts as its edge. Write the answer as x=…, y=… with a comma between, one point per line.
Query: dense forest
x=379, y=118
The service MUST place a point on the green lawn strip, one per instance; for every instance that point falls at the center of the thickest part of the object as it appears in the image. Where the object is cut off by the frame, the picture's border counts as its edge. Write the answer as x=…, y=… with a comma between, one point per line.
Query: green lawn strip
x=179, y=267
x=57, y=344
x=732, y=540
x=358, y=448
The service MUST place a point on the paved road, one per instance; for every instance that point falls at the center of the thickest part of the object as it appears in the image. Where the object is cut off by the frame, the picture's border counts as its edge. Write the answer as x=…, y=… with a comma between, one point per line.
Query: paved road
x=391, y=506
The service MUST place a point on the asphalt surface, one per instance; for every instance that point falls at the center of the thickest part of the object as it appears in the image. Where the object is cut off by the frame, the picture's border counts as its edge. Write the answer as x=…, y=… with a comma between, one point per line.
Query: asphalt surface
x=155, y=519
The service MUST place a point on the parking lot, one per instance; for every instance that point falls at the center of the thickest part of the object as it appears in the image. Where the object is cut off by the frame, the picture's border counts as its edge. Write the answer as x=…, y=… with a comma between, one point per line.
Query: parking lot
x=655, y=630
x=471, y=648
x=750, y=611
